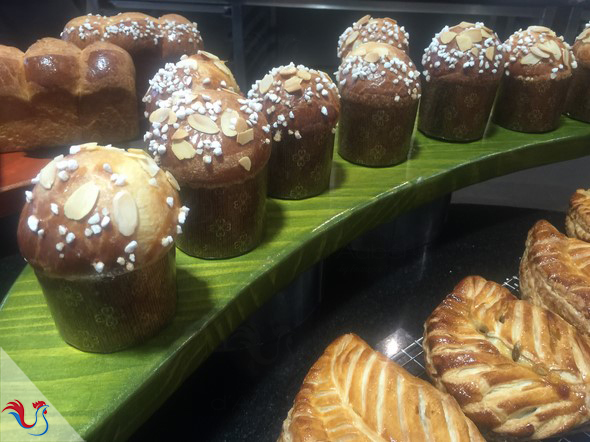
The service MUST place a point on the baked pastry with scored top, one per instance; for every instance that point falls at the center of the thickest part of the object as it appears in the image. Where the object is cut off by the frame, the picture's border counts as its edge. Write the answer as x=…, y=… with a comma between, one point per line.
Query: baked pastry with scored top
x=554, y=274
x=216, y=144
x=577, y=220
x=98, y=229
x=538, y=69
x=302, y=107
x=578, y=98
x=355, y=393
x=517, y=370
x=379, y=93
x=56, y=94
x=369, y=29
x=463, y=68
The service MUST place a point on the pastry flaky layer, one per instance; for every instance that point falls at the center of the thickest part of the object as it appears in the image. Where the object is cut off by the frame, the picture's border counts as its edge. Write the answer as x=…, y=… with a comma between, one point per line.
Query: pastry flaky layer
x=577, y=221
x=355, y=393
x=554, y=274
x=519, y=371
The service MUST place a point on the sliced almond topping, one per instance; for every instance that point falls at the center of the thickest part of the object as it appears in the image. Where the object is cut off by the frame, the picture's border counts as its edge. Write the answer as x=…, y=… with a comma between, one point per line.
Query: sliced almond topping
x=245, y=137
x=304, y=75
x=363, y=20
x=183, y=150
x=539, y=53
x=241, y=125
x=172, y=180
x=159, y=115
x=447, y=37
x=265, y=84
x=179, y=134
x=203, y=123
x=293, y=84
x=487, y=33
x=490, y=53
x=551, y=47
x=540, y=29
x=466, y=24
x=372, y=57
x=150, y=166
x=288, y=71
x=359, y=50
x=352, y=37
x=222, y=67
x=529, y=59
x=585, y=33
x=81, y=201
x=381, y=50
x=141, y=152
x=473, y=34
x=125, y=214
x=47, y=175
x=226, y=124
x=464, y=43
x=475, y=51
x=172, y=118
x=566, y=57
x=189, y=63
x=89, y=146
x=586, y=40
x=246, y=163
x=209, y=55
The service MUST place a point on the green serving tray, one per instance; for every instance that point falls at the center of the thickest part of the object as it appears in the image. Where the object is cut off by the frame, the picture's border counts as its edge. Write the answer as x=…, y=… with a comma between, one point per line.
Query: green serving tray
x=106, y=397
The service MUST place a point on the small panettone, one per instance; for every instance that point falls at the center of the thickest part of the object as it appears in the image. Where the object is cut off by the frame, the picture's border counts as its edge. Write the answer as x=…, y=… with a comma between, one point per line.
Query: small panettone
x=217, y=145
x=369, y=29
x=577, y=220
x=463, y=67
x=302, y=107
x=98, y=229
x=578, y=98
x=191, y=73
x=538, y=69
x=57, y=94
x=150, y=41
x=379, y=93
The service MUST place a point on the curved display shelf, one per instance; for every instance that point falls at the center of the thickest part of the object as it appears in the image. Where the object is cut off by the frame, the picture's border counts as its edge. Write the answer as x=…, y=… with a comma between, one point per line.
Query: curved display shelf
x=105, y=397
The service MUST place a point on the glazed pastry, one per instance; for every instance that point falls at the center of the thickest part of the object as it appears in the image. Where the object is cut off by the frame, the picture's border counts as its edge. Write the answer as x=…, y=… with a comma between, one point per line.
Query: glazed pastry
x=577, y=221
x=367, y=29
x=463, y=68
x=56, y=94
x=191, y=73
x=98, y=229
x=553, y=274
x=578, y=97
x=302, y=107
x=538, y=69
x=216, y=144
x=355, y=393
x=379, y=92
x=517, y=370
x=150, y=41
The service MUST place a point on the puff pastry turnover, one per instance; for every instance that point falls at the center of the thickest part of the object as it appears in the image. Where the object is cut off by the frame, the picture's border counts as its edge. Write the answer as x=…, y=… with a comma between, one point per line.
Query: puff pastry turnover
x=354, y=393
x=555, y=274
x=517, y=370
x=577, y=220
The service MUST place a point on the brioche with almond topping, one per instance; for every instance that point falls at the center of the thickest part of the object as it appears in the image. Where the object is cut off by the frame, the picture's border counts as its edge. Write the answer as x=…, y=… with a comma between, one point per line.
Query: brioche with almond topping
x=302, y=107
x=216, y=144
x=98, y=229
x=518, y=371
x=379, y=93
x=56, y=94
x=355, y=393
x=463, y=67
x=578, y=98
x=538, y=69
x=369, y=29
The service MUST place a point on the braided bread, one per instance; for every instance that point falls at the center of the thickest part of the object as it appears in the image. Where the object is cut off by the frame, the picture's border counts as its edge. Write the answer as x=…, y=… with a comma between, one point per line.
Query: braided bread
x=517, y=370
x=577, y=220
x=355, y=393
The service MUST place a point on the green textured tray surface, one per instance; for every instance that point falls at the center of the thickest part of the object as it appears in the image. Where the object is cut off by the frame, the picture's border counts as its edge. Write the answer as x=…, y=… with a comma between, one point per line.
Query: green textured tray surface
x=108, y=396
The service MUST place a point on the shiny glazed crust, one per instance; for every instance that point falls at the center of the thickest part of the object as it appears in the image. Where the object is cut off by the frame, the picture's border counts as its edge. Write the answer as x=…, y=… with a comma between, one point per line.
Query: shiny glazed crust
x=517, y=370
x=366, y=29
x=355, y=393
x=554, y=274
x=577, y=221
x=58, y=94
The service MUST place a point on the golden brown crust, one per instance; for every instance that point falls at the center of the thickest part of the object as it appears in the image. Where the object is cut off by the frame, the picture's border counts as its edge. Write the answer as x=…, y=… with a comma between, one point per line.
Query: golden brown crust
x=367, y=29
x=517, y=370
x=57, y=94
x=99, y=210
x=211, y=138
x=355, y=393
x=577, y=221
x=554, y=274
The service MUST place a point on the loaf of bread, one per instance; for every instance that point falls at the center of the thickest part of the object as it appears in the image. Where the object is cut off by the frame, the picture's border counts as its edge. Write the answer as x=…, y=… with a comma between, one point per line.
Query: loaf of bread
x=56, y=93
x=150, y=41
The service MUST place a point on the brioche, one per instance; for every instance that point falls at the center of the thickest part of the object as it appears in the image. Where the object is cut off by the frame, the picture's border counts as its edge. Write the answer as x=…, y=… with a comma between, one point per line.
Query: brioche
x=355, y=393
x=55, y=94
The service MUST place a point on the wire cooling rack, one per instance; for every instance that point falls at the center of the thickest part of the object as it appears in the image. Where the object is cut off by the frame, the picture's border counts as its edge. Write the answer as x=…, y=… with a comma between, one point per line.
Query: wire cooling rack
x=411, y=357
